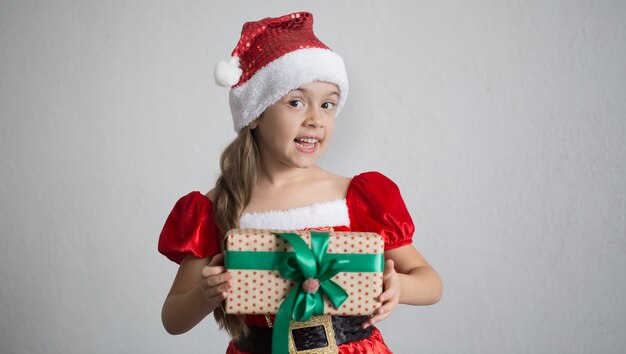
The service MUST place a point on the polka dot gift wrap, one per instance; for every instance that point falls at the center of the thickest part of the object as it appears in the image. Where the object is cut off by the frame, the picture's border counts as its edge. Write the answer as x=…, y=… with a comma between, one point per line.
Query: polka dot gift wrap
x=337, y=273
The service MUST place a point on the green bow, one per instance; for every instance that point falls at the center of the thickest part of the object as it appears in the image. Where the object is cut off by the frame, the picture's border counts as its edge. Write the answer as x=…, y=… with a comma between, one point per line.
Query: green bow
x=306, y=263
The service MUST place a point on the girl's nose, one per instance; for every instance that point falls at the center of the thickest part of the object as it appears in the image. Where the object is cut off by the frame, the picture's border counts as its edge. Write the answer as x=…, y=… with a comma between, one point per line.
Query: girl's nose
x=314, y=119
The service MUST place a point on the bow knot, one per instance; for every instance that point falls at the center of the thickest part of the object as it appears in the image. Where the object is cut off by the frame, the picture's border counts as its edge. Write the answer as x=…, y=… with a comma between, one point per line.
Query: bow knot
x=312, y=272
x=311, y=285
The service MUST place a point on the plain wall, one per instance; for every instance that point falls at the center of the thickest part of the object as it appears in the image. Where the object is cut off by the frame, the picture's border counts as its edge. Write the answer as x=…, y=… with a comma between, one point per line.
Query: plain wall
x=502, y=122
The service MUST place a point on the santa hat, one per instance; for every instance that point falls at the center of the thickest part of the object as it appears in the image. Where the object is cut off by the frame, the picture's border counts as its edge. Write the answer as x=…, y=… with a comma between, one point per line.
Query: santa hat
x=273, y=57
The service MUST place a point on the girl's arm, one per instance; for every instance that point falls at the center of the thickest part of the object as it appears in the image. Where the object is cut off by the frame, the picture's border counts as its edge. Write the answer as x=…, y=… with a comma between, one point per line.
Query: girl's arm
x=197, y=290
x=407, y=279
x=420, y=284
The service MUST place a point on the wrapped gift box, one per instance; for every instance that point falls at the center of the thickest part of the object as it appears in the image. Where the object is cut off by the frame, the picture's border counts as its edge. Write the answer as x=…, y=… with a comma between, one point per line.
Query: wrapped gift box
x=254, y=257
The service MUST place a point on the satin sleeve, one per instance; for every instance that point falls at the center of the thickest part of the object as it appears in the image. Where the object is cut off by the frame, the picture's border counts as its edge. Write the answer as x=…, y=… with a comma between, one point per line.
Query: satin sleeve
x=375, y=205
x=190, y=229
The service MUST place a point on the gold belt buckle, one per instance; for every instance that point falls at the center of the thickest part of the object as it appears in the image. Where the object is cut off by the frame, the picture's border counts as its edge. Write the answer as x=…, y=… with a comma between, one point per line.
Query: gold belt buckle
x=323, y=320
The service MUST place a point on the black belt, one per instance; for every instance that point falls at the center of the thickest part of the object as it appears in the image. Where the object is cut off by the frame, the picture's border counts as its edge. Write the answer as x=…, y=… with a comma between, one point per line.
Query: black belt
x=313, y=334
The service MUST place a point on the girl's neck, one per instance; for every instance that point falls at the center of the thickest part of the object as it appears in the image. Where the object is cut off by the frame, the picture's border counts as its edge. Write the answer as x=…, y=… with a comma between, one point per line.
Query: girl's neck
x=295, y=187
x=278, y=177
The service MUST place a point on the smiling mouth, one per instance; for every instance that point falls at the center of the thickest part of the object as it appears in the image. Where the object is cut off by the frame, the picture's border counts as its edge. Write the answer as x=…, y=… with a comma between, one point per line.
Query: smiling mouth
x=306, y=143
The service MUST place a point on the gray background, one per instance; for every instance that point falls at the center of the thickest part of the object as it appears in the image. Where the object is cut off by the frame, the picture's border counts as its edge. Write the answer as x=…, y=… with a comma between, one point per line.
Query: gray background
x=503, y=123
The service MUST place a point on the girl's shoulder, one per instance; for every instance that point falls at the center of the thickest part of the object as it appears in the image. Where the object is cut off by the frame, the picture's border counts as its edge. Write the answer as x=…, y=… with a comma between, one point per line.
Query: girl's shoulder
x=335, y=181
x=366, y=182
x=376, y=205
x=190, y=229
x=371, y=180
x=210, y=195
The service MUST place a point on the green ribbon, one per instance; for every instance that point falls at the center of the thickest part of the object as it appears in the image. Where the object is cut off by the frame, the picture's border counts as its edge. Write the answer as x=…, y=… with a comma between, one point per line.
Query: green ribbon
x=253, y=260
x=300, y=265
x=300, y=305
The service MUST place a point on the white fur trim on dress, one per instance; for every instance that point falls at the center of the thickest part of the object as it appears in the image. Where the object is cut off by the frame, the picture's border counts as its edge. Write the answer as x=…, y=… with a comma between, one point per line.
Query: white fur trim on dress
x=333, y=213
x=273, y=81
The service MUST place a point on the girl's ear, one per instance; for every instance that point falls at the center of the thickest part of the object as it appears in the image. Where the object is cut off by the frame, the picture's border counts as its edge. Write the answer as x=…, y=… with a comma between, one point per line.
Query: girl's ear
x=255, y=123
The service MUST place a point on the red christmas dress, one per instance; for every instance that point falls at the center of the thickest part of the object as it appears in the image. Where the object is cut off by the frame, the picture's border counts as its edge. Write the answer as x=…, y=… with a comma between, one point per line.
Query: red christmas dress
x=373, y=204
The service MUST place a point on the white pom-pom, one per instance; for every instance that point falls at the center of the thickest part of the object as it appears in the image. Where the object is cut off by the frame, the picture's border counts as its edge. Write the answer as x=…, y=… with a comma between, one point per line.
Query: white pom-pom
x=227, y=73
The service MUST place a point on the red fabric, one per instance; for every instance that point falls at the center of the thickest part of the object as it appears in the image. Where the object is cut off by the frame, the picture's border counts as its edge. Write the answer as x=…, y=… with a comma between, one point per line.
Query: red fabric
x=374, y=344
x=266, y=40
x=190, y=229
x=375, y=205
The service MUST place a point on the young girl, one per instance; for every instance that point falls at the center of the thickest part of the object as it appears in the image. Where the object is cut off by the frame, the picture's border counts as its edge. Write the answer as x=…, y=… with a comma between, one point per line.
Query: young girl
x=286, y=89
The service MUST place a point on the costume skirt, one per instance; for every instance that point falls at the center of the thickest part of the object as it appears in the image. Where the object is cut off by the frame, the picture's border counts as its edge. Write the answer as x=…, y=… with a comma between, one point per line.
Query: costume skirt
x=373, y=344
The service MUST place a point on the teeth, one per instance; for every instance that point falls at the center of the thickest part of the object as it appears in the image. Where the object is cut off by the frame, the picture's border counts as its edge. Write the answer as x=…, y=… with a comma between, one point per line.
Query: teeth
x=308, y=140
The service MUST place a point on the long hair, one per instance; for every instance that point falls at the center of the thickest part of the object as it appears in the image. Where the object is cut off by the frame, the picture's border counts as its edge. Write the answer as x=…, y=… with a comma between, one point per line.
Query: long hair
x=239, y=164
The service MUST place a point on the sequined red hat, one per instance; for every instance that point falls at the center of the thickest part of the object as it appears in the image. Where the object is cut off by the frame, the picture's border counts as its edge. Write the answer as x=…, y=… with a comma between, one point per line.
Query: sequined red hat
x=274, y=56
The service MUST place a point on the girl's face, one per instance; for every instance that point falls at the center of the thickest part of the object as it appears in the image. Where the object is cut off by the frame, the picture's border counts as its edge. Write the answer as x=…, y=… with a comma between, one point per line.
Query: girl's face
x=295, y=130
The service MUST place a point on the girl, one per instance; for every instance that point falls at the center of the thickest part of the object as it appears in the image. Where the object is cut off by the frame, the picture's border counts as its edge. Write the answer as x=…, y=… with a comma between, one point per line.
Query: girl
x=286, y=89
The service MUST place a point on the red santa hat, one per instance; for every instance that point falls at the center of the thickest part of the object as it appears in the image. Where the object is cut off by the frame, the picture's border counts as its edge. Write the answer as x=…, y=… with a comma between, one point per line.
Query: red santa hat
x=273, y=57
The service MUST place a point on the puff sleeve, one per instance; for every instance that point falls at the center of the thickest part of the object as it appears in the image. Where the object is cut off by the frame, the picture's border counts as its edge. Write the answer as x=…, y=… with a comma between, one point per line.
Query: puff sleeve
x=190, y=229
x=375, y=205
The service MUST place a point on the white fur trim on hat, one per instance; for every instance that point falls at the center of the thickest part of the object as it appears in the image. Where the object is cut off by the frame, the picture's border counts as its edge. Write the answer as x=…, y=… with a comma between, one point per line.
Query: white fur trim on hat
x=227, y=73
x=291, y=71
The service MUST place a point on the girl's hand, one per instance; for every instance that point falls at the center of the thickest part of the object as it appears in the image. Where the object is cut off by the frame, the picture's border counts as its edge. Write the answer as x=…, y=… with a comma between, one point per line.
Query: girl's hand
x=215, y=281
x=390, y=296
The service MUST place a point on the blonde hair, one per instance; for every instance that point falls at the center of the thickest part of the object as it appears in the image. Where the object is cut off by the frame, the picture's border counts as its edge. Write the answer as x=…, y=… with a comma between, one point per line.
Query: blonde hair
x=239, y=164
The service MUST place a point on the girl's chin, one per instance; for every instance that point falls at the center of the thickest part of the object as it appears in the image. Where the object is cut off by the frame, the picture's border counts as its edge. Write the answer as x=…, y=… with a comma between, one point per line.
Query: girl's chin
x=304, y=160
x=304, y=163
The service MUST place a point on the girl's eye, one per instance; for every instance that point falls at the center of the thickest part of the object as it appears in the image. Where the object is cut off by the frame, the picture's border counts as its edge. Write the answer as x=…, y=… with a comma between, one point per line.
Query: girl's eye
x=328, y=105
x=296, y=103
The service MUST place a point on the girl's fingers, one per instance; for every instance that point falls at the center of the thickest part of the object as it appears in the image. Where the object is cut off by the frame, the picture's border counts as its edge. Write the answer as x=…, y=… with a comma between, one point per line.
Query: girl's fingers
x=367, y=323
x=216, y=280
x=389, y=267
x=217, y=298
x=388, y=294
x=217, y=260
x=388, y=297
x=214, y=291
x=207, y=271
x=386, y=308
x=382, y=312
x=372, y=320
x=389, y=300
x=391, y=283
